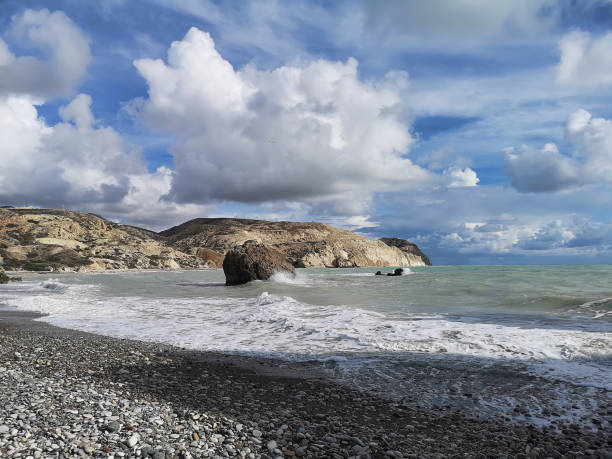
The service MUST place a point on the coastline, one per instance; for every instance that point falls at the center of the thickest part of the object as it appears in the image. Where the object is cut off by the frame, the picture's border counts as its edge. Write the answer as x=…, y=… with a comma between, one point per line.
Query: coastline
x=71, y=394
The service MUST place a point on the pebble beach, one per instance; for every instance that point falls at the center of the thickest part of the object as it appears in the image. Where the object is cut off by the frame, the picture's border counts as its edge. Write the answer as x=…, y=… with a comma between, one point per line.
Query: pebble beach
x=66, y=393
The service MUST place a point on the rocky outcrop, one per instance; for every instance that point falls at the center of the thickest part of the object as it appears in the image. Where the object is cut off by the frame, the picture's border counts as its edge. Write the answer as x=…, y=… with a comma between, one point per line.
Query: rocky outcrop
x=46, y=239
x=252, y=261
x=407, y=247
x=304, y=244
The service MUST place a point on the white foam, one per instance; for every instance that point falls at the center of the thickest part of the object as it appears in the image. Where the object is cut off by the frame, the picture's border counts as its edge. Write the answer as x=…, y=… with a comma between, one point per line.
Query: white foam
x=594, y=309
x=281, y=326
x=293, y=279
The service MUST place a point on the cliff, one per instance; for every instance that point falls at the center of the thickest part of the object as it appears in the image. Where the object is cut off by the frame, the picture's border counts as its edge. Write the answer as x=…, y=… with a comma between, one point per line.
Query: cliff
x=304, y=244
x=46, y=239
x=406, y=247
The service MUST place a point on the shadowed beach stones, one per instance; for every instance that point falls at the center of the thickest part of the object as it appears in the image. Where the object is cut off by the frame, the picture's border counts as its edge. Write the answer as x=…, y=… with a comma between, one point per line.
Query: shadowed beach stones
x=252, y=261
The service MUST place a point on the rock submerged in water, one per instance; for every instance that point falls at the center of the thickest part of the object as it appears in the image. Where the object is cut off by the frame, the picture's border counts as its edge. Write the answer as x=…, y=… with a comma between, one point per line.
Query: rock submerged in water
x=397, y=272
x=4, y=279
x=252, y=261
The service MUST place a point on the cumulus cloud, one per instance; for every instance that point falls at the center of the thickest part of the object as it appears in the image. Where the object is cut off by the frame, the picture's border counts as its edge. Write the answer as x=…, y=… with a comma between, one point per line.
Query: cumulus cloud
x=489, y=224
x=461, y=177
x=308, y=131
x=77, y=164
x=561, y=236
x=585, y=60
x=548, y=169
x=65, y=56
x=69, y=162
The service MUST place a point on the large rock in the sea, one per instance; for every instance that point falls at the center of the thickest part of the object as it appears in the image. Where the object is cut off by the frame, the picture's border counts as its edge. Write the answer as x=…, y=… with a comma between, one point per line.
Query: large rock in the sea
x=253, y=261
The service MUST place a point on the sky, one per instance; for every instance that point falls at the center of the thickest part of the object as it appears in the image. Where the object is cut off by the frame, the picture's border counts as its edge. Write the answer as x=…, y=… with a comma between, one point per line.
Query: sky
x=480, y=130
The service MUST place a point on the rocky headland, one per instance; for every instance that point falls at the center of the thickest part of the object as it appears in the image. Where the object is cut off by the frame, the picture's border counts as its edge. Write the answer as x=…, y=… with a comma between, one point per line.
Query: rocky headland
x=306, y=245
x=35, y=239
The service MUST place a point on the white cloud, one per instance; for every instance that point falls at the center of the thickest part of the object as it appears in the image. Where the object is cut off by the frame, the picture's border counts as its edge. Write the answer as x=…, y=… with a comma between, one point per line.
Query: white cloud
x=549, y=170
x=461, y=177
x=310, y=131
x=585, y=60
x=480, y=223
x=78, y=165
x=566, y=235
x=65, y=50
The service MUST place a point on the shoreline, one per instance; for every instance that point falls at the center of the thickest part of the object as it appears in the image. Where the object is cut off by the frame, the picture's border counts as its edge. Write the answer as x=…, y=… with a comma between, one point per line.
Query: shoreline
x=72, y=394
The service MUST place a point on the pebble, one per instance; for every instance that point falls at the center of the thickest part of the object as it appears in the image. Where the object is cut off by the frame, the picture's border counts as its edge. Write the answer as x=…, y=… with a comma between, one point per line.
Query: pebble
x=133, y=440
x=113, y=426
x=166, y=405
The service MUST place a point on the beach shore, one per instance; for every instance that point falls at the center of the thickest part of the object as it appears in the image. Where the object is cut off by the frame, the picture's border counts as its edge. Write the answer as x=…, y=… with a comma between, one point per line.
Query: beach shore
x=65, y=393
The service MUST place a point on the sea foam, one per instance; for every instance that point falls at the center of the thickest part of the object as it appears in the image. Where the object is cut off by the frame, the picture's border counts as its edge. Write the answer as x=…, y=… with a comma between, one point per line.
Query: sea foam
x=284, y=327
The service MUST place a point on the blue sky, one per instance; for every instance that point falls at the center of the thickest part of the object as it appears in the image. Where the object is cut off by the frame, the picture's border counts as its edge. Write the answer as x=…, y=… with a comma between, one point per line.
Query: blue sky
x=479, y=130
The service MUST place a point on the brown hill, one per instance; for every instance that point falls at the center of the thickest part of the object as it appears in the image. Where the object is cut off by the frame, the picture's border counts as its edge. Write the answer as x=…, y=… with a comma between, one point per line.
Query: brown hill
x=304, y=244
x=47, y=239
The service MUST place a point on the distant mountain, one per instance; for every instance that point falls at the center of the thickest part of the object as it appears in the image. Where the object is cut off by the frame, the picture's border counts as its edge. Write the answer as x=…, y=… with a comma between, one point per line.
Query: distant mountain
x=305, y=244
x=49, y=239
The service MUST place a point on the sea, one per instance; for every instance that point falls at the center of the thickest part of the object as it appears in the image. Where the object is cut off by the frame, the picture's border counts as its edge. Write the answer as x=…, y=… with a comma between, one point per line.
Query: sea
x=433, y=328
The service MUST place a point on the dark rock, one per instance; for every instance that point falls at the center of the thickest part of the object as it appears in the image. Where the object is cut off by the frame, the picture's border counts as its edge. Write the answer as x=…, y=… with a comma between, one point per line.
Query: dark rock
x=397, y=272
x=407, y=247
x=252, y=261
x=378, y=273
x=113, y=426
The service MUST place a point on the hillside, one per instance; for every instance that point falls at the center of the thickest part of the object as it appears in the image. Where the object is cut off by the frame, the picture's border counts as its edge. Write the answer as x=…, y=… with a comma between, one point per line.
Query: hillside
x=305, y=244
x=46, y=239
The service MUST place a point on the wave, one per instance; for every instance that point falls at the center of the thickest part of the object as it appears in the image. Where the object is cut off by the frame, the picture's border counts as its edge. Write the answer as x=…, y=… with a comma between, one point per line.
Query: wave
x=53, y=285
x=283, y=327
x=597, y=308
x=292, y=279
